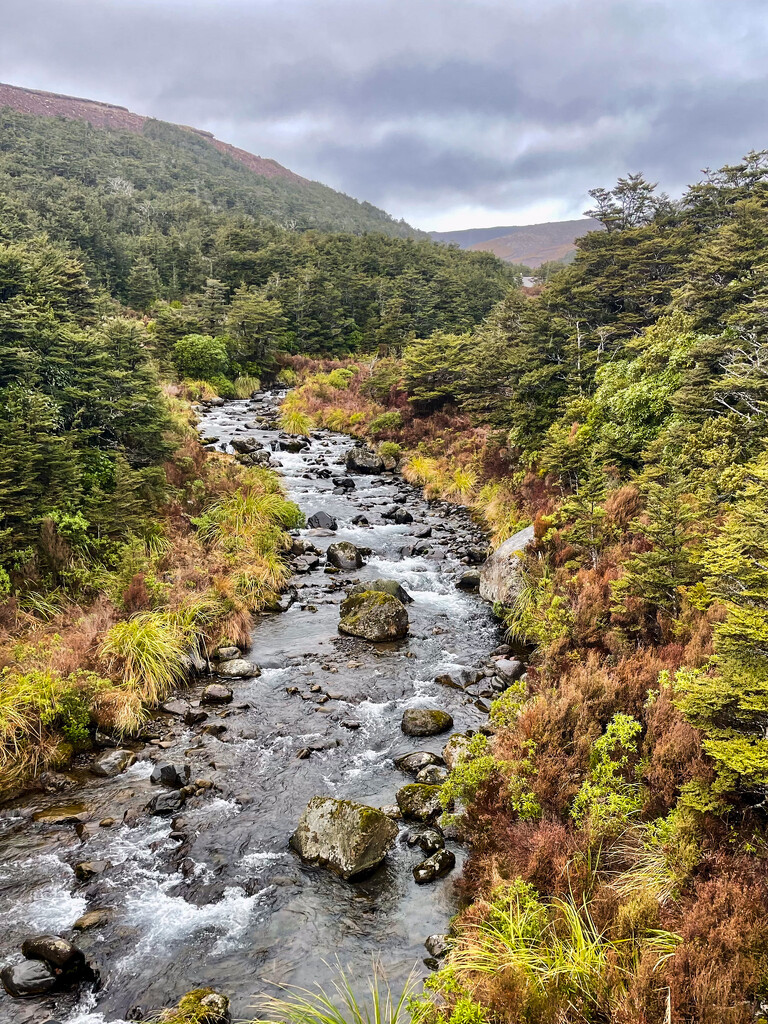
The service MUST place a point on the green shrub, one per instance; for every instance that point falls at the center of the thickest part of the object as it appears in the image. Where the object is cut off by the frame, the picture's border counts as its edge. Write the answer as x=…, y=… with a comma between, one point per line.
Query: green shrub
x=390, y=450
x=385, y=423
x=200, y=356
x=288, y=377
x=608, y=800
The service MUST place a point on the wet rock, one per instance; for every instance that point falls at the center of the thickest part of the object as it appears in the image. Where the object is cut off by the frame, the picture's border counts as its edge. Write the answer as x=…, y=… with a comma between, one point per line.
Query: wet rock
x=216, y=693
x=419, y=802
x=469, y=581
x=179, y=708
x=397, y=514
x=363, y=460
x=58, y=953
x=433, y=775
x=87, y=870
x=501, y=577
x=447, y=680
x=292, y=444
x=245, y=445
x=322, y=521
x=237, y=668
x=173, y=775
x=166, y=803
x=29, y=978
x=425, y=721
x=349, y=838
x=226, y=653
x=373, y=615
x=383, y=586
x=112, y=762
x=433, y=867
x=193, y=716
x=422, y=532
x=437, y=945
x=346, y=483
x=71, y=814
x=415, y=762
x=476, y=555
x=92, y=919
x=349, y=723
x=509, y=668
x=360, y=520
x=344, y=555
x=456, y=746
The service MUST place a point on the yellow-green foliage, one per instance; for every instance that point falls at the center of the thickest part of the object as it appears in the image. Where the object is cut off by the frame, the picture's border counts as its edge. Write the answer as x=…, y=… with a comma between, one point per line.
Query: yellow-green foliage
x=200, y=390
x=551, y=952
x=610, y=797
x=288, y=377
x=293, y=419
x=495, y=504
x=540, y=615
x=245, y=386
x=477, y=765
x=342, y=1005
x=148, y=650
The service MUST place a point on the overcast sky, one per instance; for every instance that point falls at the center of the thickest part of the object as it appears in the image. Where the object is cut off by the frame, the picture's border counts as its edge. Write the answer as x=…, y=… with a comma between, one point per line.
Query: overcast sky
x=450, y=113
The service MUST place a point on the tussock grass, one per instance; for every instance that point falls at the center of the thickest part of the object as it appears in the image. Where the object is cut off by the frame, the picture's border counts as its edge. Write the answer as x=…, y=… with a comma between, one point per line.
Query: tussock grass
x=245, y=386
x=341, y=1005
x=148, y=650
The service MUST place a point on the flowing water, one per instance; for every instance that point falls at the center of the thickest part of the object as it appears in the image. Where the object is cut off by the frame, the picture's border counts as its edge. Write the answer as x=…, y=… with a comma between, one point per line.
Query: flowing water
x=230, y=906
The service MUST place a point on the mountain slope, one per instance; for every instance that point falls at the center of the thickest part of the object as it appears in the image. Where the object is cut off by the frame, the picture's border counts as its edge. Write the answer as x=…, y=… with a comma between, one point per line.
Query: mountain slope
x=253, y=184
x=531, y=244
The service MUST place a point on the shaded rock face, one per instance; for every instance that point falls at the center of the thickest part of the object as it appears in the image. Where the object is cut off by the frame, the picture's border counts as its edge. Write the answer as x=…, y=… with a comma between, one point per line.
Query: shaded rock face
x=469, y=580
x=383, y=586
x=55, y=951
x=322, y=521
x=425, y=722
x=174, y=775
x=344, y=555
x=349, y=838
x=373, y=615
x=501, y=576
x=419, y=802
x=112, y=762
x=362, y=460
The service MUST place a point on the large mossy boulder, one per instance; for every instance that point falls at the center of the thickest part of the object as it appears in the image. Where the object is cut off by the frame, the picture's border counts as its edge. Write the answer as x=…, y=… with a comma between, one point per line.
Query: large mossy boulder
x=501, y=578
x=349, y=838
x=344, y=555
x=383, y=586
x=363, y=460
x=373, y=615
x=455, y=748
x=425, y=721
x=419, y=801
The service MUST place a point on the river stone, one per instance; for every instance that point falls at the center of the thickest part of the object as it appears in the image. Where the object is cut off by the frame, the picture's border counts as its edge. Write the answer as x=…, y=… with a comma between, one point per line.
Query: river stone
x=174, y=775
x=433, y=775
x=179, y=708
x=322, y=521
x=373, y=615
x=201, y=1005
x=167, y=802
x=245, y=445
x=216, y=693
x=29, y=978
x=344, y=555
x=59, y=953
x=349, y=838
x=363, y=460
x=418, y=801
x=413, y=763
x=112, y=762
x=509, y=668
x=226, y=653
x=457, y=745
x=501, y=578
x=469, y=581
x=72, y=814
x=89, y=869
x=437, y=945
x=92, y=919
x=433, y=867
x=425, y=722
x=430, y=840
x=383, y=586
x=238, y=668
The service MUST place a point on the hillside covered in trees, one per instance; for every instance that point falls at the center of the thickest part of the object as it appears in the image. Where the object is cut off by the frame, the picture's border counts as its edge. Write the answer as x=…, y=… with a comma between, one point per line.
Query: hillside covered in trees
x=617, y=813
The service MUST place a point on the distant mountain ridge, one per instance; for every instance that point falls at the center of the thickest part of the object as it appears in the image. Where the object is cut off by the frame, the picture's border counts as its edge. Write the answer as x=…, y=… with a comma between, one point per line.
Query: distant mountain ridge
x=531, y=244
x=274, y=191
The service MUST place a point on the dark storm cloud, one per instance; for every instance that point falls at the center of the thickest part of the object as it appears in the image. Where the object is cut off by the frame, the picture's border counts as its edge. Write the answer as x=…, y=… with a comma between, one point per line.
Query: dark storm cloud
x=432, y=108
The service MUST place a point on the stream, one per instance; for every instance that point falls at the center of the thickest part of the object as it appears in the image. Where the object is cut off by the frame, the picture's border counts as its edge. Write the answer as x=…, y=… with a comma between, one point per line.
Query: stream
x=229, y=905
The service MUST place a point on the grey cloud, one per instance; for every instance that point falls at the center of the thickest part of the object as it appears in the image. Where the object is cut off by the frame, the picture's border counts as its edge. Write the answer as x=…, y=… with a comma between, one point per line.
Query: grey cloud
x=425, y=105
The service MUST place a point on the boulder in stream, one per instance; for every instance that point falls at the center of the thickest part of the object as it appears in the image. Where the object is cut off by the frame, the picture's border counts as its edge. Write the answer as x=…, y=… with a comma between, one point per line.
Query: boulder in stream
x=349, y=838
x=344, y=555
x=173, y=775
x=415, y=762
x=425, y=721
x=456, y=746
x=112, y=762
x=59, y=953
x=29, y=978
x=322, y=521
x=363, y=460
x=216, y=693
x=501, y=578
x=433, y=867
x=373, y=615
x=238, y=668
x=419, y=802
x=383, y=586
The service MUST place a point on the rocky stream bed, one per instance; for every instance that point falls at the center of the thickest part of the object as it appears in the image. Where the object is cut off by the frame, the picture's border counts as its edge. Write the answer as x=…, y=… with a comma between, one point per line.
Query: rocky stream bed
x=208, y=892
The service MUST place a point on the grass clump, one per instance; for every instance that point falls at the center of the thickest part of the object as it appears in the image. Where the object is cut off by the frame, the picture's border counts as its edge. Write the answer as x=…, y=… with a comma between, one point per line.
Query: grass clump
x=245, y=385
x=148, y=650
x=342, y=1004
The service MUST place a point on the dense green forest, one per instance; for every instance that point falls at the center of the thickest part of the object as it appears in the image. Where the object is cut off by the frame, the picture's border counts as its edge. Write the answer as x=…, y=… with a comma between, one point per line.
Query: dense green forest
x=618, y=813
